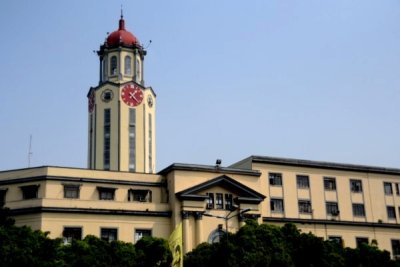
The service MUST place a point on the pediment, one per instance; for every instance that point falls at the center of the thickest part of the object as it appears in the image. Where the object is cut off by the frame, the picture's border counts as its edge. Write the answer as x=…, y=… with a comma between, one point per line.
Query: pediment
x=244, y=193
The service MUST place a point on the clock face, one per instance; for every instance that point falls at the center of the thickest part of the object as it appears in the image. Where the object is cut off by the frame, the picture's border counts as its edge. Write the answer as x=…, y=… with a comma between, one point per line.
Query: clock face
x=132, y=95
x=91, y=102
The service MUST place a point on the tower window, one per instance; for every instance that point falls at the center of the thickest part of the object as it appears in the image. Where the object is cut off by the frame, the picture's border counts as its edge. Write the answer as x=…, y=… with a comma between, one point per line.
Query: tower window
x=128, y=65
x=137, y=68
x=150, y=144
x=113, y=65
x=132, y=139
x=107, y=138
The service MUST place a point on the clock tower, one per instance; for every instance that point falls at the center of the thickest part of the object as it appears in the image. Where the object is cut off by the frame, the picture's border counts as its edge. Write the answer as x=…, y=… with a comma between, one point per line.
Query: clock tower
x=121, y=108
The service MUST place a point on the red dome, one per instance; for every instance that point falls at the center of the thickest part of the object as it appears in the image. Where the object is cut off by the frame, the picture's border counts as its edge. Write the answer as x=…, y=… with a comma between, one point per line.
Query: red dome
x=122, y=36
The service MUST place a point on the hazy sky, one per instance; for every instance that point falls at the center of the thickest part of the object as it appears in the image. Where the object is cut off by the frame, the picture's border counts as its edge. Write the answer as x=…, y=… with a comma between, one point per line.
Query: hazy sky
x=316, y=80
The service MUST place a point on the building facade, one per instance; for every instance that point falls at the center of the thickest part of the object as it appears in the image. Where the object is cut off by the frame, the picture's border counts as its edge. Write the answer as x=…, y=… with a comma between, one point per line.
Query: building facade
x=120, y=197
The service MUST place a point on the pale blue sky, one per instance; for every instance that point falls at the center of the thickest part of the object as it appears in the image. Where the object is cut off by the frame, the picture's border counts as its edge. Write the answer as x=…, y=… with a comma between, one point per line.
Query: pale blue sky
x=316, y=80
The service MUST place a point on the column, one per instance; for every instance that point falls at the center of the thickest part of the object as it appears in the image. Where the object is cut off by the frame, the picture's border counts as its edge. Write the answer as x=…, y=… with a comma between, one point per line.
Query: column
x=199, y=227
x=185, y=231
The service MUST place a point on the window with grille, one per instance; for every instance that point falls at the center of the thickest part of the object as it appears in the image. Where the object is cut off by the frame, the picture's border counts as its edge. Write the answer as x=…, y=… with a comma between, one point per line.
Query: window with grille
x=305, y=206
x=361, y=240
x=219, y=201
x=109, y=234
x=140, y=233
x=303, y=181
x=210, y=201
x=358, y=210
x=72, y=233
x=332, y=208
x=106, y=193
x=30, y=191
x=356, y=186
x=391, y=212
x=275, y=179
x=387, y=187
x=71, y=191
x=329, y=183
x=277, y=205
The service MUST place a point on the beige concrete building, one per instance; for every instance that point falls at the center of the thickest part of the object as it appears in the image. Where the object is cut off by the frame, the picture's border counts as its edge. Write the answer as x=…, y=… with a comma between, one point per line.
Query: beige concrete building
x=119, y=196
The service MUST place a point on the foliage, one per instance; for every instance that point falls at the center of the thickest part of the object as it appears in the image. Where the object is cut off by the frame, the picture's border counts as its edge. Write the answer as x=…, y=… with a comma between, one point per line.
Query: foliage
x=21, y=246
x=266, y=245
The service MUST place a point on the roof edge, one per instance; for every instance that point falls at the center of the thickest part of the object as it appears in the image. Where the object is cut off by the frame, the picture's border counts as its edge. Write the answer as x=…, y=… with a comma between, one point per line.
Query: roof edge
x=207, y=168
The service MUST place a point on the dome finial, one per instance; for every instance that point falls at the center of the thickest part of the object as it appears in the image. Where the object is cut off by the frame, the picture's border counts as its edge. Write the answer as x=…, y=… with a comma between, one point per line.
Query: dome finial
x=121, y=21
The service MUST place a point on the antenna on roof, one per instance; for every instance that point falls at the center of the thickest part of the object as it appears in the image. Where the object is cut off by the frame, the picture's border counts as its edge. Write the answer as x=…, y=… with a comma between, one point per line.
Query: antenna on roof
x=122, y=12
x=30, y=153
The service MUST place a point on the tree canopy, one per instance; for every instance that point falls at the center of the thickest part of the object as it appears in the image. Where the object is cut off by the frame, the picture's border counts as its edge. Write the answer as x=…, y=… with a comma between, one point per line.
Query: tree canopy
x=266, y=245
x=21, y=246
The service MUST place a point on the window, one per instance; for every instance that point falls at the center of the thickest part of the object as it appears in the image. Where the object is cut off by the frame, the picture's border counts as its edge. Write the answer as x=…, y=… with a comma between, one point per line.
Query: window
x=336, y=239
x=396, y=185
x=391, y=212
x=106, y=193
x=228, y=202
x=305, y=206
x=210, y=201
x=71, y=191
x=387, y=187
x=30, y=191
x=132, y=139
x=395, y=248
x=277, y=205
x=3, y=193
x=358, y=210
x=139, y=195
x=113, y=65
x=303, y=181
x=107, y=138
x=329, y=183
x=150, y=144
x=275, y=179
x=219, y=201
x=356, y=186
x=140, y=233
x=137, y=67
x=128, y=65
x=332, y=208
x=72, y=233
x=361, y=240
x=109, y=234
